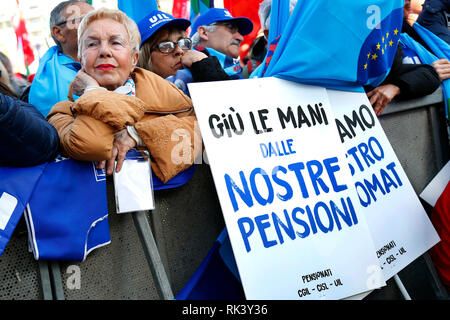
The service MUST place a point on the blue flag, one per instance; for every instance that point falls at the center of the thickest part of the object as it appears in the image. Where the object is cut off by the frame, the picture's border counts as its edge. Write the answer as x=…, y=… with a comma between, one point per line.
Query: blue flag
x=340, y=45
x=217, y=277
x=441, y=50
x=67, y=214
x=279, y=16
x=16, y=188
x=137, y=9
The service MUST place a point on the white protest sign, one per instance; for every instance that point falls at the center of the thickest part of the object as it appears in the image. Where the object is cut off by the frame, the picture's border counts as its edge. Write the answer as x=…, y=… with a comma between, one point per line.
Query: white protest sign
x=285, y=190
x=399, y=225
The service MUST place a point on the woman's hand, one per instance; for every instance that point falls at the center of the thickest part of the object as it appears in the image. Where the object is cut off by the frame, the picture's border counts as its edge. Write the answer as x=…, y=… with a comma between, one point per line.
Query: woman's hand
x=82, y=81
x=442, y=67
x=123, y=142
x=381, y=96
x=192, y=56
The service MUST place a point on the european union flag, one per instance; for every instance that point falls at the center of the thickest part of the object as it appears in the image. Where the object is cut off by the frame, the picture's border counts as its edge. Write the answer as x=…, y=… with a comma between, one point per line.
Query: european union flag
x=340, y=45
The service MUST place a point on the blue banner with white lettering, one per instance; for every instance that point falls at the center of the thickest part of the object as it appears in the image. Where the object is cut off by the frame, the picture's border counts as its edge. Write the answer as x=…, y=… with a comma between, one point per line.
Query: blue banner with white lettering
x=67, y=217
x=339, y=45
x=137, y=9
x=16, y=188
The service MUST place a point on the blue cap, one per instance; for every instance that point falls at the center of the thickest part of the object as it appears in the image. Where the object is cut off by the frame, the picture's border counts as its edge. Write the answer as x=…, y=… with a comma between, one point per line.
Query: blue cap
x=156, y=20
x=245, y=25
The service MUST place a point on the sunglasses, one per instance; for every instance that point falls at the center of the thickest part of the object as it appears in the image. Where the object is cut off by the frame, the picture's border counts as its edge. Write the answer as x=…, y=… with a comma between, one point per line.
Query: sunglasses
x=70, y=20
x=169, y=46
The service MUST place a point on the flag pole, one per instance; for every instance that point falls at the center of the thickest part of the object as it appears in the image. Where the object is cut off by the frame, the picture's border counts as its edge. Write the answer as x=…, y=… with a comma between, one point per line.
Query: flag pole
x=402, y=287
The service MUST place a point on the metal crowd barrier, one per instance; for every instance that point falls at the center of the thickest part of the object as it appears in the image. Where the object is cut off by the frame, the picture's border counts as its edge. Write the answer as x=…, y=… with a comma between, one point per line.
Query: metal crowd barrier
x=152, y=255
x=418, y=133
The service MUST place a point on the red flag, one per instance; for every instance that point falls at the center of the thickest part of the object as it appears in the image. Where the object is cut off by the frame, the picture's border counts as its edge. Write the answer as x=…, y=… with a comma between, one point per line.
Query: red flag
x=180, y=9
x=23, y=44
x=249, y=9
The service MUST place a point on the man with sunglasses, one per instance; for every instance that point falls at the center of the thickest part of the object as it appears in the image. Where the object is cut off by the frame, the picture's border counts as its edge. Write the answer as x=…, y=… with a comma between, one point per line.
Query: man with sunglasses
x=221, y=35
x=59, y=66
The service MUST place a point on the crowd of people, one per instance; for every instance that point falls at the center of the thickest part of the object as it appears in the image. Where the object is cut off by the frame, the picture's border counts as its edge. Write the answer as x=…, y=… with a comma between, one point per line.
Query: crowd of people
x=111, y=84
x=91, y=65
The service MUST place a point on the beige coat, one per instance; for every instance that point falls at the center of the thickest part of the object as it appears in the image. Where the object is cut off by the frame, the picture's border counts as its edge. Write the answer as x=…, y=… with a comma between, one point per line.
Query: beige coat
x=87, y=126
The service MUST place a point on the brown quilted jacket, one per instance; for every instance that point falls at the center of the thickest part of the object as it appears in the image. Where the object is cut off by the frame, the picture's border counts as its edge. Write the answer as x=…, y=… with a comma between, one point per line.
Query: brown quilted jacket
x=87, y=126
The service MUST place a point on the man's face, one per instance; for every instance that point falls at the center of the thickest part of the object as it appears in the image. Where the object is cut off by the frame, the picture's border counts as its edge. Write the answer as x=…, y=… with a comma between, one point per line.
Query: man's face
x=226, y=39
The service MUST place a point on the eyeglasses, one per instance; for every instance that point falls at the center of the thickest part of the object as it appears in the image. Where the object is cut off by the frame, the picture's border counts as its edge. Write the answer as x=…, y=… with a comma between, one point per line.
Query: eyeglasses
x=169, y=46
x=229, y=25
x=70, y=20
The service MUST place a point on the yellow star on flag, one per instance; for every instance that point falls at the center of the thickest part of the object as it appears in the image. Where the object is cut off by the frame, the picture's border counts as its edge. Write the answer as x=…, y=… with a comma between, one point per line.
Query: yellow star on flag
x=382, y=39
x=374, y=56
x=378, y=46
x=387, y=34
x=368, y=55
x=395, y=31
x=382, y=51
x=391, y=43
x=365, y=66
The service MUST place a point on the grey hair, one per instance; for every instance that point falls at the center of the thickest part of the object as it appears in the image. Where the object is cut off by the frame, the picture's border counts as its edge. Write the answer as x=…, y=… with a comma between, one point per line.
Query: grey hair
x=57, y=16
x=196, y=37
x=264, y=12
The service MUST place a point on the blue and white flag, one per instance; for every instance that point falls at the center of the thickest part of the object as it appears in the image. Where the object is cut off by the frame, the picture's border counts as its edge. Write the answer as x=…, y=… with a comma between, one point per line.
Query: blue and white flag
x=340, y=44
x=67, y=215
x=16, y=188
x=137, y=9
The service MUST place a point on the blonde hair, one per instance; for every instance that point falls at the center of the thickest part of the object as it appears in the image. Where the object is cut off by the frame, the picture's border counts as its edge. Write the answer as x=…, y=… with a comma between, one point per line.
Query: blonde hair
x=116, y=15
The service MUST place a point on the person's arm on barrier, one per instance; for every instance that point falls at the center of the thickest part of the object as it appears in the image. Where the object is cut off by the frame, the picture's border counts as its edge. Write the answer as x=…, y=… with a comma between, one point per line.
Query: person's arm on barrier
x=25, y=137
x=381, y=96
x=442, y=67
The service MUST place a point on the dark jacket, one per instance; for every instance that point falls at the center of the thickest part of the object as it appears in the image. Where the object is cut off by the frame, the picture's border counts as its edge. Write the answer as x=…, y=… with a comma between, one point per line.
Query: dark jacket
x=26, y=138
x=410, y=31
x=434, y=19
x=414, y=80
x=208, y=69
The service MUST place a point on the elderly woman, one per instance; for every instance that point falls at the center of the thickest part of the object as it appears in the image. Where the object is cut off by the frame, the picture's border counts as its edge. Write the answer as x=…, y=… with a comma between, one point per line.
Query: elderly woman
x=166, y=50
x=122, y=106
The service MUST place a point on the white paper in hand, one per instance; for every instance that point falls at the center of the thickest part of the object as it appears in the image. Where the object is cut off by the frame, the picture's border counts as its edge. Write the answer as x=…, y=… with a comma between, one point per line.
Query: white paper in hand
x=133, y=183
